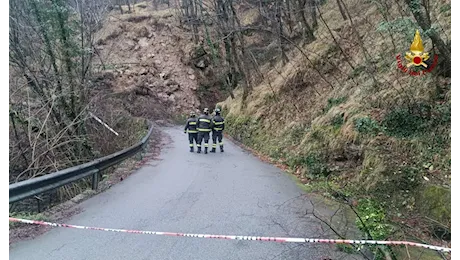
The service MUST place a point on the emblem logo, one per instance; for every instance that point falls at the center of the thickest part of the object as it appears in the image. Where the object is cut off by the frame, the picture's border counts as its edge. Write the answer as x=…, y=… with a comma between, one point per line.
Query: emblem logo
x=416, y=58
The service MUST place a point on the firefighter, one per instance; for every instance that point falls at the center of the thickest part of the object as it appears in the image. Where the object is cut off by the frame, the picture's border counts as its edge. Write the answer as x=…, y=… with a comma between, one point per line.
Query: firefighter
x=192, y=131
x=204, y=128
x=218, y=128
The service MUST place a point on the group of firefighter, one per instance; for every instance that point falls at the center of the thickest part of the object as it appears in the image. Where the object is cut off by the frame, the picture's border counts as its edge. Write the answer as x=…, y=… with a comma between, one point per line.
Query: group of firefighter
x=199, y=130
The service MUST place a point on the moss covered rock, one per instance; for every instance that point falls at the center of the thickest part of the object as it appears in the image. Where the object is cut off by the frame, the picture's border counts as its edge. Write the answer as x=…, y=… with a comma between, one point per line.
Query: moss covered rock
x=434, y=201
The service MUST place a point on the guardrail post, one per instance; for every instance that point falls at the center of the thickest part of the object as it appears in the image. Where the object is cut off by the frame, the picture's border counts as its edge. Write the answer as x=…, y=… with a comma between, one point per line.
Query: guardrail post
x=143, y=147
x=95, y=182
x=140, y=154
x=39, y=209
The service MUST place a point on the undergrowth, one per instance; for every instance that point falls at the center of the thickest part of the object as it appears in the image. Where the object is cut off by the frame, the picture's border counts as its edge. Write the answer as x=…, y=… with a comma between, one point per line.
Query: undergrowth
x=25, y=215
x=379, y=136
x=402, y=149
x=331, y=102
x=373, y=223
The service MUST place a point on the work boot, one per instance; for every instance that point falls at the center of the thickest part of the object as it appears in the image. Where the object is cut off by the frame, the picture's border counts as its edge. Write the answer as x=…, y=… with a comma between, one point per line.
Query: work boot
x=199, y=150
x=222, y=149
x=206, y=150
x=213, y=150
x=191, y=149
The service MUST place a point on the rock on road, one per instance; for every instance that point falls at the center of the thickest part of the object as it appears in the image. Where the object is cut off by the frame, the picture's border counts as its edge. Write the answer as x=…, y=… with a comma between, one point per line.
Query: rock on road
x=230, y=193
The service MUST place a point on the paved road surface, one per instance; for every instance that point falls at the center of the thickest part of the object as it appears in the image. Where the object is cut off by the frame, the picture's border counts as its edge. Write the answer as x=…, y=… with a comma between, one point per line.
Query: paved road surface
x=232, y=193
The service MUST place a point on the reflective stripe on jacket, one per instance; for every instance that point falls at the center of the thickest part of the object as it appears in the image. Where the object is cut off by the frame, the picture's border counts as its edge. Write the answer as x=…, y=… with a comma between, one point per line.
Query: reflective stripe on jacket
x=218, y=123
x=191, y=125
x=204, y=123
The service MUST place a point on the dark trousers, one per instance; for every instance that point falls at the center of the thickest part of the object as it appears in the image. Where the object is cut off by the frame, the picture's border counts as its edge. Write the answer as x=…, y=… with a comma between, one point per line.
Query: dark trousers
x=203, y=136
x=192, y=137
x=217, y=136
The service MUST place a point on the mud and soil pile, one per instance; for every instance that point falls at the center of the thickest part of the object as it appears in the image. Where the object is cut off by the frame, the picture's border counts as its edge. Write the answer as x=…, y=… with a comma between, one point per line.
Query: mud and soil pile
x=142, y=59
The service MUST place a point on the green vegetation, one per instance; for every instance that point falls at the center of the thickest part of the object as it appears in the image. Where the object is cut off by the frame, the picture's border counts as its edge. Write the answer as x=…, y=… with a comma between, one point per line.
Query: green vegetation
x=372, y=221
x=337, y=121
x=25, y=215
x=357, y=71
x=367, y=125
x=346, y=248
x=315, y=165
x=436, y=203
x=375, y=133
x=331, y=102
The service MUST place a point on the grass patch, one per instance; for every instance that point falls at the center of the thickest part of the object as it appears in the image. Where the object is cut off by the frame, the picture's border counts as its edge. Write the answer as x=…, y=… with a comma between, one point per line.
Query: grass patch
x=384, y=155
x=421, y=253
x=346, y=249
x=367, y=125
x=373, y=219
x=436, y=203
x=296, y=134
x=316, y=165
x=319, y=185
x=404, y=123
x=25, y=215
x=409, y=122
x=373, y=222
x=314, y=162
x=445, y=8
x=337, y=121
x=357, y=71
x=243, y=129
x=331, y=102
x=269, y=98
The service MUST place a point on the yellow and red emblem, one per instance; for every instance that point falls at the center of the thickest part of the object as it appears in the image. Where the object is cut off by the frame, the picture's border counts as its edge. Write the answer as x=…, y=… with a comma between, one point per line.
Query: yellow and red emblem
x=416, y=57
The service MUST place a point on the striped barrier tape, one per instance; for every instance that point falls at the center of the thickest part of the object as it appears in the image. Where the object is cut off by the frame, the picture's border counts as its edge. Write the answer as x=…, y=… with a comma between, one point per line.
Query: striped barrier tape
x=231, y=237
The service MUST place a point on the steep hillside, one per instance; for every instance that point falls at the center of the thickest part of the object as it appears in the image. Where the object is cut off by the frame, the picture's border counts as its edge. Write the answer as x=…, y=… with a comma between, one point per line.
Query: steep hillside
x=349, y=123
x=142, y=61
x=314, y=85
x=122, y=67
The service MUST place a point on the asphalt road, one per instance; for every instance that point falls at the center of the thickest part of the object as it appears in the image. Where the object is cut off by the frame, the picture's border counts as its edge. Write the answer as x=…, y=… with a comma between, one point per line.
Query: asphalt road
x=230, y=193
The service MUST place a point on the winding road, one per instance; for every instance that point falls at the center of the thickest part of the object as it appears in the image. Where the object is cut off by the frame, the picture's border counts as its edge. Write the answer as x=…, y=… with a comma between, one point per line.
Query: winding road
x=231, y=193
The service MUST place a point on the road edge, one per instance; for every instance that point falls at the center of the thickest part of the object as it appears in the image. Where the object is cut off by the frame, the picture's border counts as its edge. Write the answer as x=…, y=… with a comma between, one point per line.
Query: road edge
x=69, y=208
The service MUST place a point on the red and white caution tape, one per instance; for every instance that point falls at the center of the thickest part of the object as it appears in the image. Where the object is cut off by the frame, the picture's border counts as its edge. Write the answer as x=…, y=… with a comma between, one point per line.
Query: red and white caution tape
x=273, y=239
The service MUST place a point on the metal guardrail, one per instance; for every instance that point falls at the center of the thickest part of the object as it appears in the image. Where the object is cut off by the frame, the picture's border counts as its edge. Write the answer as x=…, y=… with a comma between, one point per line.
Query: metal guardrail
x=28, y=188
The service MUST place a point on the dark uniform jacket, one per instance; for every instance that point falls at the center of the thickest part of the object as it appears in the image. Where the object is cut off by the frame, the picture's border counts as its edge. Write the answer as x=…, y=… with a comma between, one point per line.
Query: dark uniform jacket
x=204, y=123
x=218, y=123
x=191, y=125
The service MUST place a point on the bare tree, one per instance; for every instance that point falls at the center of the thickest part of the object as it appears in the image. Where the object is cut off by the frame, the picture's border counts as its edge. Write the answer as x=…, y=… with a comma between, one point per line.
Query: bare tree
x=280, y=15
x=279, y=26
x=421, y=12
x=51, y=59
x=342, y=12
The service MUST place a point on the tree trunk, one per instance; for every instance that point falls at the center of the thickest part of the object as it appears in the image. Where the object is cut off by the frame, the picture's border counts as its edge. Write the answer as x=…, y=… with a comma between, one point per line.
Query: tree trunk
x=313, y=5
x=289, y=15
x=242, y=46
x=307, y=30
x=194, y=19
x=52, y=56
x=423, y=19
x=64, y=37
x=119, y=5
x=279, y=27
x=342, y=12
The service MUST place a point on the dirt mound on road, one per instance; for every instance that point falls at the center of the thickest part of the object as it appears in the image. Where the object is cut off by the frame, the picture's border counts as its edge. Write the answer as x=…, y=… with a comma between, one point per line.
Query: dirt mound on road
x=142, y=56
